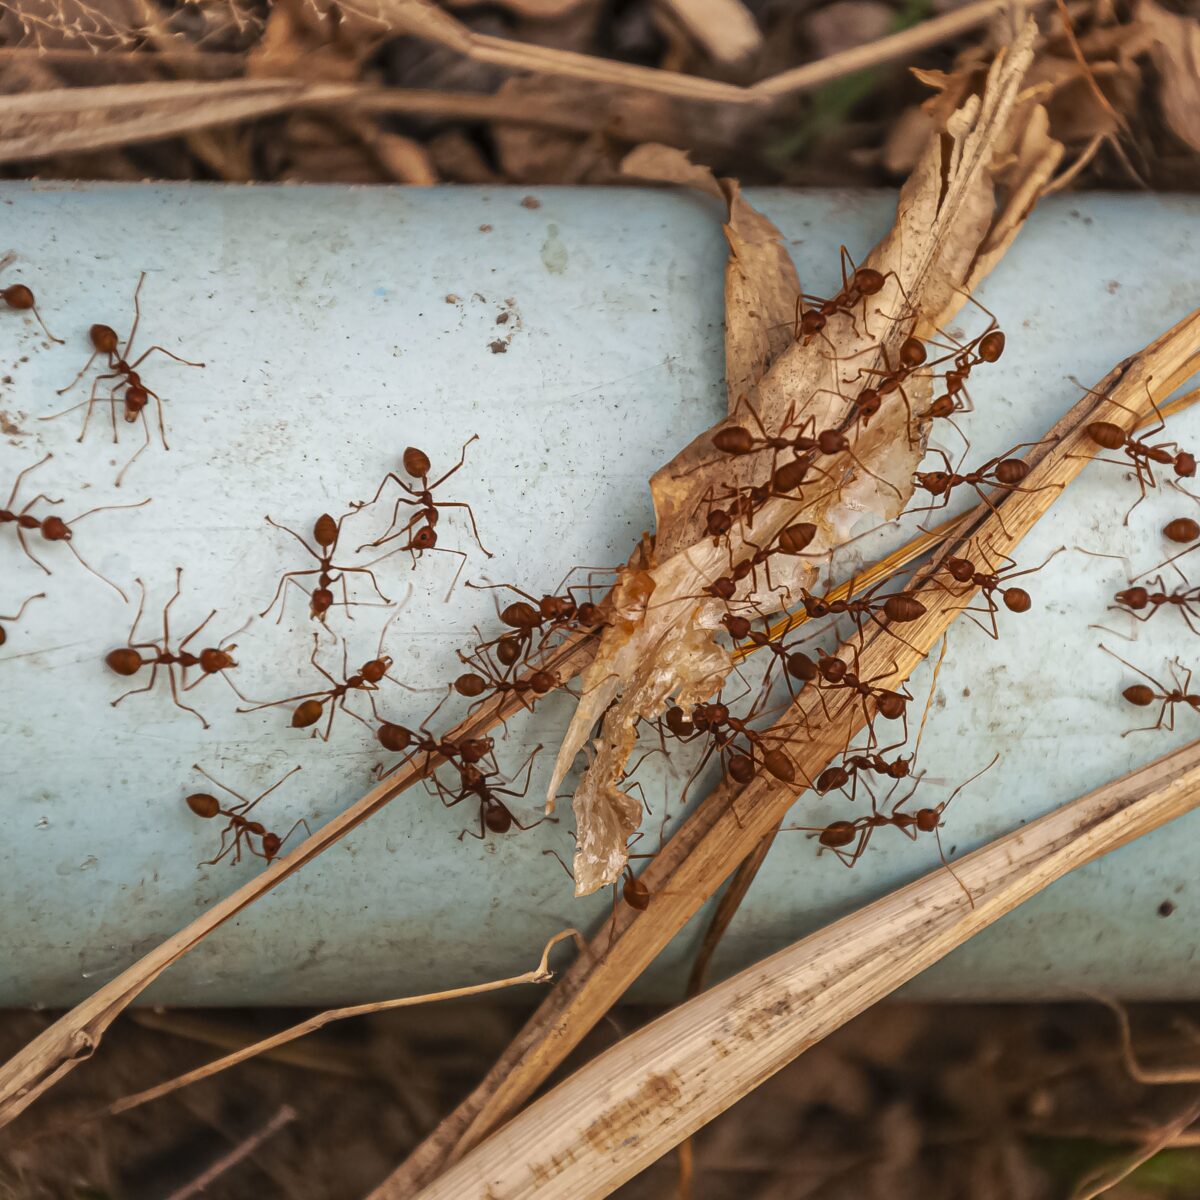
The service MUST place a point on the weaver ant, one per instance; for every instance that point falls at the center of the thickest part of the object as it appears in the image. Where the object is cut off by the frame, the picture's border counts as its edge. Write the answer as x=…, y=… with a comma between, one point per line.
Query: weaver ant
x=208, y=806
x=401, y=740
x=20, y=298
x=790, y=541
x=1001, y=472
x=898, y=608
x=848, y=771
x=326, y=532
x=911, y=358
x=525, y=617
x=1137, y=599
x=54, y=529
x=417, y=466
x=857, y=286
x=215, y=660
x=487, y=678
x=838, y=835
x=1015, y=599
x=1144, y=696
x=1140, y=454
x=134, y=394
x=835, y=675
x=366, y=680
x=494, y=815
x=17, y=615
x=986, y=348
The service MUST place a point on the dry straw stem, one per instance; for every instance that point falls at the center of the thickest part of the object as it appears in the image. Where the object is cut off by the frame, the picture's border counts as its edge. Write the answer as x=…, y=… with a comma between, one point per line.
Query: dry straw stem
x=74, y=1037
x=633, y=1103
x=729, y=823
x=539, y=974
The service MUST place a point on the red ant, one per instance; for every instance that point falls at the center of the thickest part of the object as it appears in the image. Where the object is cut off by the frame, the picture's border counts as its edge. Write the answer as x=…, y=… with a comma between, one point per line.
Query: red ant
x=1000, y=472
x=1140, y=454
x=852, y=764
x=401, y=740
x=134, y=394
x=898, y=608
x=525, y=617
x=1143, y=696
x=494, y=815
x=1137, y=599
x=326, y=532
x=215, y=660
x=857, y=286
x=207, y=806
x=835, y=675
x=839, y=834
x=17, y=615
x=867, y=403
x=54, y=529
x=1015, y=599
x=20, y=298
x=417, y=465
x=986, y=348
x=790, y=541
x=487, y=678
x=366, y=680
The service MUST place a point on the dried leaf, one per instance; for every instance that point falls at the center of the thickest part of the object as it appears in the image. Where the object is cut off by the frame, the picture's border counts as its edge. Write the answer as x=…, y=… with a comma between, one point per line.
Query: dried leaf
x=725, y=28
x=1176, y=52
x=667, y=647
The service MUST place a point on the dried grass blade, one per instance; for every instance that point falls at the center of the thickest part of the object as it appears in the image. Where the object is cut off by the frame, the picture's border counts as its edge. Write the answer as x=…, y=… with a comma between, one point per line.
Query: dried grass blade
x=628, y=1107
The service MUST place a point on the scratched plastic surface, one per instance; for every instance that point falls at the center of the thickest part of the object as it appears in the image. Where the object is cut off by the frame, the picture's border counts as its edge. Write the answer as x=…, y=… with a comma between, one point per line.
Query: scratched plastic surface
x=340, y=325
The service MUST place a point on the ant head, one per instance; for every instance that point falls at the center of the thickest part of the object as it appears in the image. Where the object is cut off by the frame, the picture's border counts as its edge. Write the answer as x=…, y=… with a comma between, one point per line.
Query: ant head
x=18, y=296
x=271, y=842
x=738, y=627
x=734, y=439
x=588, y=614
x=991, y=346
x=213, y=660
x=125, y=661
x=961, y=568
x=1185, y=464
x=812, y=322
x=395, y=738
x=717, y=714
x=416, y=462
x=927, y=819
x=376, y=669
x=470, y=685
x=556, y=608
x=741, y=768
x=136, y=398
x=471, y=750
x=1017, y=600
x=325, y=531
x=203, y=805
x=912, y=352
x=1139, y=694
x=840, y=833
x=496, y=817
x=1134, y=597
x=55, y=529
x=718, y=524
x=425, y=538
x=634, y=892
x=306, y=714
x=943, y=406
x=104, y=338
x=723, y=588
x=934, y=482
x=320, y=601
x=899, y=768
x=868, y=404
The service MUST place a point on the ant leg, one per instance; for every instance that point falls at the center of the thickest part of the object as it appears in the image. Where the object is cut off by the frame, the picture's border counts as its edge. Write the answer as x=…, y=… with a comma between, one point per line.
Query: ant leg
x=24, y=605
x=197, y=629
x=162, y=428
x=953, y=874
x=12, y=499
x=137, y=316
x=224, y=850
x=366, y=570
x=92, y=570
x=138, y=691
x=392, y=532
x=318, y=557
x=474, y=527
x=462, y=458
x=180, y=703
x=167, y=609
x=187, y=362
x=300, y=822
x=283, y=579
x=138, y=452
x=82, y=373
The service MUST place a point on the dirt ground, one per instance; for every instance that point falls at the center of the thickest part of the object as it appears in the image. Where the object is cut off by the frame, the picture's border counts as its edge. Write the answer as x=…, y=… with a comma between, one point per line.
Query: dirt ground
x=908, y=1101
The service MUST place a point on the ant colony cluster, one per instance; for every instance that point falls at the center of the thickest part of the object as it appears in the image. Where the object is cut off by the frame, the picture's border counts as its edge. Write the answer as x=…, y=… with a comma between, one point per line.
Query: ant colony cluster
x=543, y=639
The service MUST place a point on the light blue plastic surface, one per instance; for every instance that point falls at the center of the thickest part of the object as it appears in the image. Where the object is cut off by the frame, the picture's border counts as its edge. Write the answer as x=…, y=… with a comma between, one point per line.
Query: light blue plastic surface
x=340, y=325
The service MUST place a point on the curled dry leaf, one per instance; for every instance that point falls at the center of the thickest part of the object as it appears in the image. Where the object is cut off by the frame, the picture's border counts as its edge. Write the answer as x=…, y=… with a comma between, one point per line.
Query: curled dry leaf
x=944, y=228
x=1176, y=53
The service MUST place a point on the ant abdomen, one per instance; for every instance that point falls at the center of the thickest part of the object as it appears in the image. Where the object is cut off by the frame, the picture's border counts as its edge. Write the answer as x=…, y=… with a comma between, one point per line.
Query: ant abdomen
x=124, y=661
x=395, y=738
x=840, y=833
x=325, y=531
x=203, y=805
x=416, y=462
x=1106, y=435
x=736, y=439
x=1139, y=694
x=1182, y=529
x=306, y=714
x=1016, y=600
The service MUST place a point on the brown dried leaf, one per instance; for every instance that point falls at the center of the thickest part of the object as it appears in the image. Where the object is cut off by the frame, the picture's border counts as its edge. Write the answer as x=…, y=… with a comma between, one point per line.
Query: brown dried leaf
x=1176, y=53
x=665, y=644
x=725, y=28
